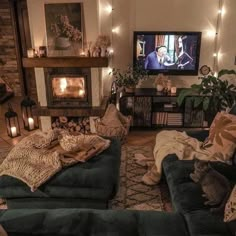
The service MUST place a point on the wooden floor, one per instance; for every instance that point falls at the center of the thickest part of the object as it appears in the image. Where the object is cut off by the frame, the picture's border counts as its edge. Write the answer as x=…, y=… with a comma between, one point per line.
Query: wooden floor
x=135, y=137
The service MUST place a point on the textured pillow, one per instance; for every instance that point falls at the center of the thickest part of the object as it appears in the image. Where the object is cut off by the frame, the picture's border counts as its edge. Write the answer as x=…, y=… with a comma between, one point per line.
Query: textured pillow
x=111, y=117
x=72, y=143
x=43, y=139
x=222, y=136
x=230, y=207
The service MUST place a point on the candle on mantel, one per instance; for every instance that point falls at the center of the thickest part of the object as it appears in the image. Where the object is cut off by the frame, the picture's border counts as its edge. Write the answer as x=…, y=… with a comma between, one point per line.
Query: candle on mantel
x=31, y=123
x=30, y=52
x=173, y=90
x=13, y=131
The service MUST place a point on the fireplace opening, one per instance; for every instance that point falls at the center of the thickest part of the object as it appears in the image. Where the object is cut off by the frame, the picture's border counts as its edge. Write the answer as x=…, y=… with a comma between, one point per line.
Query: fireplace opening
x=68, y=87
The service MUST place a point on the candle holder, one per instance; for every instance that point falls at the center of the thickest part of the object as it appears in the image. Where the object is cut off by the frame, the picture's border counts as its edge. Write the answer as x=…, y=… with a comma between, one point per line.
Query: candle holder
x=30, y=121
x=12, y=122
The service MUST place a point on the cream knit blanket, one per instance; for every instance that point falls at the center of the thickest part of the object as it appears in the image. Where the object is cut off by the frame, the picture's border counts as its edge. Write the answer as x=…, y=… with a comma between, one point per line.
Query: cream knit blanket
x=173, y=142
x=35, y=166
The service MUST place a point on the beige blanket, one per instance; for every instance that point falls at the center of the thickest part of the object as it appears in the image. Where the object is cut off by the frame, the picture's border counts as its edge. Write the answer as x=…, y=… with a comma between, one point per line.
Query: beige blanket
x=35, y=165
x=174, y=142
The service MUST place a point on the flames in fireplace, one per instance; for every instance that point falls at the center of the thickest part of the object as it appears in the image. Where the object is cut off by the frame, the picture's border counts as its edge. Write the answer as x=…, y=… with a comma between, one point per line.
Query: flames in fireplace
x=69, y=87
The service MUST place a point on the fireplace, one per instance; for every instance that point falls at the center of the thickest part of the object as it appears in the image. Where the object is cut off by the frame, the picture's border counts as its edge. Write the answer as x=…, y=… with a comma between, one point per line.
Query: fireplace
x=68, y=87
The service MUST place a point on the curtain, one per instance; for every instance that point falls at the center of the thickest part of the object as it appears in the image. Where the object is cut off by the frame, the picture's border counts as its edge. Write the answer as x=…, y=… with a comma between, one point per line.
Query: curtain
x=160, y=40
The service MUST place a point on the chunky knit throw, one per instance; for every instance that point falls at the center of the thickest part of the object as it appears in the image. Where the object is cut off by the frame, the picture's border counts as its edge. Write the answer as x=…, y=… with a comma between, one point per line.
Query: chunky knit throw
x=35, y=166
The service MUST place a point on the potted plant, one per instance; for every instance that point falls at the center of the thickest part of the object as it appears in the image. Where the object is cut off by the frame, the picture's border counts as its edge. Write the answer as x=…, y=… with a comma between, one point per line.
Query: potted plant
x=130, y=77
x=213, y=94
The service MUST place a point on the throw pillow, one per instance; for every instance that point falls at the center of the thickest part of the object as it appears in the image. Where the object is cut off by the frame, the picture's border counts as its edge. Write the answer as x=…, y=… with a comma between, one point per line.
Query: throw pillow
x=222, y=137
x=111, y=117
x=230, y=207
x=43, y=139
x=72, y=143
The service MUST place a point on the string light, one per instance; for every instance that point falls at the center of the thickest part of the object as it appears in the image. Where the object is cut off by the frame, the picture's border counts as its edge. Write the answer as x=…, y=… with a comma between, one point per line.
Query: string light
x=211, y=33
x=108, y=9
x=215, y=55
x=115, y=30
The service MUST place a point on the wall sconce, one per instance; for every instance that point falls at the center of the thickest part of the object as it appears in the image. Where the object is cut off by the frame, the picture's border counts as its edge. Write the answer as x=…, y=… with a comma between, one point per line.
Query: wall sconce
x=12, y=122
x=30, y=121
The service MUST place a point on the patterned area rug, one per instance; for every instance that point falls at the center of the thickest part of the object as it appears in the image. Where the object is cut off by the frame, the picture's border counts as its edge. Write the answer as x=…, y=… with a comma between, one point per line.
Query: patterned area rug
x=133, y=194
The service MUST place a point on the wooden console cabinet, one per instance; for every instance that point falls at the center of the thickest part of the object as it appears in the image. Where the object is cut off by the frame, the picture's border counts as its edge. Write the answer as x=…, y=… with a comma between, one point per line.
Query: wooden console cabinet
x=150, y=108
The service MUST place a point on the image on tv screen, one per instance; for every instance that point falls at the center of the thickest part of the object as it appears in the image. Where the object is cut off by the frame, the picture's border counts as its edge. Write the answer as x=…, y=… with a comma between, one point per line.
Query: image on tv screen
x=168, y=52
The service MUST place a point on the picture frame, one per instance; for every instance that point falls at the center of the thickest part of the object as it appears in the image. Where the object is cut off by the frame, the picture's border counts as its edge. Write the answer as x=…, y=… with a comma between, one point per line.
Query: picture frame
x=64, y=29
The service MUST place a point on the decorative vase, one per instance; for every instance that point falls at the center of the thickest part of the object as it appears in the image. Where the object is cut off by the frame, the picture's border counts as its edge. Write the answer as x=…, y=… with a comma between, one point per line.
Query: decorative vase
x=103, y=52
x=62, y=43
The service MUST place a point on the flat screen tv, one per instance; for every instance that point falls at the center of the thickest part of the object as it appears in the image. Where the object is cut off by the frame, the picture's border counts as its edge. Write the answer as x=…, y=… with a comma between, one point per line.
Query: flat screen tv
x=167, y=52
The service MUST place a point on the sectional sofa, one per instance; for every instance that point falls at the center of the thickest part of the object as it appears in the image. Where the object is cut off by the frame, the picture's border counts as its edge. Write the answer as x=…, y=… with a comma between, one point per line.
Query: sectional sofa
x=189, y=218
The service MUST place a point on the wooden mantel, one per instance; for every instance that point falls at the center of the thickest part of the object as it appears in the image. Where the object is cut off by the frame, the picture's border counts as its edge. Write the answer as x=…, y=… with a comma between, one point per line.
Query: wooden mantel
x=69, y=111
x=65, y=62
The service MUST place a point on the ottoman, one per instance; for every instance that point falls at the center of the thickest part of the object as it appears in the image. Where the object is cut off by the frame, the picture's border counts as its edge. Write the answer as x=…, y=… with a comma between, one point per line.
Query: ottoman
x=85, y=185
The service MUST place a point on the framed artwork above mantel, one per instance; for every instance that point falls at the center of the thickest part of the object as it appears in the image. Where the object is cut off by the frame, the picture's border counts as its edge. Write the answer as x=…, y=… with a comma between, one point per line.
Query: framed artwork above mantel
x=64, y=29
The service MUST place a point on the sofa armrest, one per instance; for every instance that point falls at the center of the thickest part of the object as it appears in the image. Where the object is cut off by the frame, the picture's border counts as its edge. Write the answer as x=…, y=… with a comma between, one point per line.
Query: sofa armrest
x=201, y=135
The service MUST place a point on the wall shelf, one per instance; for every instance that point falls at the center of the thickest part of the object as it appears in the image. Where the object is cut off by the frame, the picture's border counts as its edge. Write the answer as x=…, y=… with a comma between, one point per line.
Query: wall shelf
x=43, y=62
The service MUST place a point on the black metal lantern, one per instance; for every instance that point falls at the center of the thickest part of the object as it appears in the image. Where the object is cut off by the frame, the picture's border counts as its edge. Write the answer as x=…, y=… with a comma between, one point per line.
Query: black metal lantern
x=30, y=121
x=12, y=122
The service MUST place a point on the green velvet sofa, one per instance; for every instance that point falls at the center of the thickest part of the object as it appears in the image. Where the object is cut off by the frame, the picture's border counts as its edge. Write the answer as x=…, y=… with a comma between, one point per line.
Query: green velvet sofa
x=85, y=185
x=189, y=218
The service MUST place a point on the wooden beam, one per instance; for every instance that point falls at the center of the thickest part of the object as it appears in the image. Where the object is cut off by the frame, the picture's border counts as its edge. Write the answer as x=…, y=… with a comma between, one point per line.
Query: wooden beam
x=65, y=62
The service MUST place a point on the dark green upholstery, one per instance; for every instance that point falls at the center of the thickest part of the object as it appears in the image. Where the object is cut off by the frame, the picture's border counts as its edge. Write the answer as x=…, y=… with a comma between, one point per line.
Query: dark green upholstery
x=205, y=223
x=190, y=217
x=93, y=182
x=83, y=222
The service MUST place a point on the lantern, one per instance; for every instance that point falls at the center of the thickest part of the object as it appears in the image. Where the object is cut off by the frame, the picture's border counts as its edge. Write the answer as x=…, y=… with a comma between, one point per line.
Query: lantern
x=12, y=122
x=30, y=121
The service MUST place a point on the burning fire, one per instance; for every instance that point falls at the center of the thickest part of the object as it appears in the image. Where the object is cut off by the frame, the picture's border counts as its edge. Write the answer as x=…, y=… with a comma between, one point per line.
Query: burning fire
x=63, y=84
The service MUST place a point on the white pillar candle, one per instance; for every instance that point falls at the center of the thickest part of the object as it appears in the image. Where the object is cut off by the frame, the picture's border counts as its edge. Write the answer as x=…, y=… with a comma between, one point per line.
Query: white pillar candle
x=13, y=131
x=31, y=123
x=173, y=90
x=30, y=52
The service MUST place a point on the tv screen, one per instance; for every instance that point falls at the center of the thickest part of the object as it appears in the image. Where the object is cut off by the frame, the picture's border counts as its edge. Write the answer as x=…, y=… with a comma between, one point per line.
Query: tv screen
x=171, y=53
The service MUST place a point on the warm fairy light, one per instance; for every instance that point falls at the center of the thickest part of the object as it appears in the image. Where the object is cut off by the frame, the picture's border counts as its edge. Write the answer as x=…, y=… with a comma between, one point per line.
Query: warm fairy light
x=63, y=84
x=111, y=51
x=215, y=55
x=221, y=11
x=211, y=33
x=115, y=30
x=108, y=9
x=109, y=70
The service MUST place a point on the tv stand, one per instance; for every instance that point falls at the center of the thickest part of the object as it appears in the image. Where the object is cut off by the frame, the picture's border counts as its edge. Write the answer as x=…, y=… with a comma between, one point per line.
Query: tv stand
x=150, y=108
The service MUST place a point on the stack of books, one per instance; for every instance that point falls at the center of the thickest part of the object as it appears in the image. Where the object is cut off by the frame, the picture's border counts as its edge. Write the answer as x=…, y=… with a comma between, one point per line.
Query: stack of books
x=167, y=119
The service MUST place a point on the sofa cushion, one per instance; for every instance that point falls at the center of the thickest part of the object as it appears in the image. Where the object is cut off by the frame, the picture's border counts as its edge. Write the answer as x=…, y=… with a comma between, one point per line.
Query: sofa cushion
x=87, y=222
x=222, y=136
x=230, y=207
x=203, y=222
x=94, y=179
x=185, y=194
